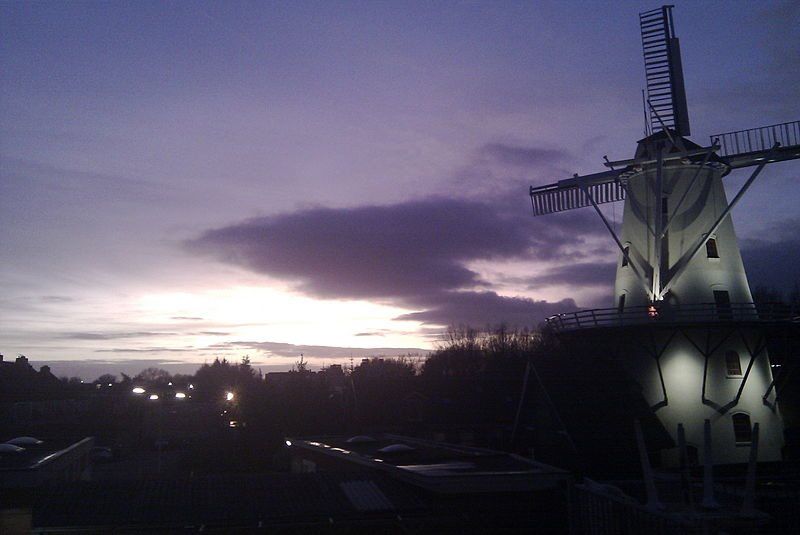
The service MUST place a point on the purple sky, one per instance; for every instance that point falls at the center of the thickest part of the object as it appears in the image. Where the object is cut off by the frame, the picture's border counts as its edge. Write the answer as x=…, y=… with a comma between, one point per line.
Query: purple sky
x=180, y=180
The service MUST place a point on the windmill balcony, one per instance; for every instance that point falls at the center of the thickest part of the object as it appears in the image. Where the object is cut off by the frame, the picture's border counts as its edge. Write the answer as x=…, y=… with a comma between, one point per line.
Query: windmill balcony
x=673, y=315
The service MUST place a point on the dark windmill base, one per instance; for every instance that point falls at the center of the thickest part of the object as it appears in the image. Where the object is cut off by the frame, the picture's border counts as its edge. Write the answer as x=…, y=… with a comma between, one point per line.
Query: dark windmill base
x=675, y=358
x=592, y=406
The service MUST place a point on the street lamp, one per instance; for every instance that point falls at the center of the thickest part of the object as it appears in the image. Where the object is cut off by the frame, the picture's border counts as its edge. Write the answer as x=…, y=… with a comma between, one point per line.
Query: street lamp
x=138, y=390
x=228, y=396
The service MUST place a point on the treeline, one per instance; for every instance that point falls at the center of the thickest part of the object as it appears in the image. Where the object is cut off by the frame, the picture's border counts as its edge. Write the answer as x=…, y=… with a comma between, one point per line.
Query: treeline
x=469, y=389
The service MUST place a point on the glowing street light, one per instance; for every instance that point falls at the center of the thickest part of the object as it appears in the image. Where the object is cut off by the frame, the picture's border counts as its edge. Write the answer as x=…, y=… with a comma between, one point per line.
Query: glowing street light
x=138, y=390
x=153, y=397
x=180, y=395
x=229, y=396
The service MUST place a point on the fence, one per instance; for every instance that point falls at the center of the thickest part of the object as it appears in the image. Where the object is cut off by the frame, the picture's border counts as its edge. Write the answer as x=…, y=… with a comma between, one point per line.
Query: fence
x=597, y=513
x=676, y=314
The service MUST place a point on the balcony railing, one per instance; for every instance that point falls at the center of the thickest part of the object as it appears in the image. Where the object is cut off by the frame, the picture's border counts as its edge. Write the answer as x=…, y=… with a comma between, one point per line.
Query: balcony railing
x=676, y=314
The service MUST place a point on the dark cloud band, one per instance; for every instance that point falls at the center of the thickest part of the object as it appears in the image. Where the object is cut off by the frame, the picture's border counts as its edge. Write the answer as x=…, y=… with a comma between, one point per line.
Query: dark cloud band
x=415, y=254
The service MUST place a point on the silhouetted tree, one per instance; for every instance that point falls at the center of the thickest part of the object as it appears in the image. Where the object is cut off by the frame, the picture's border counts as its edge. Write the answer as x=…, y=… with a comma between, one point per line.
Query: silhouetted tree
x=212, y=381
x=153, y=376
x=182, y=380
x=106, y=378
x=379, y=385
x=301, y=366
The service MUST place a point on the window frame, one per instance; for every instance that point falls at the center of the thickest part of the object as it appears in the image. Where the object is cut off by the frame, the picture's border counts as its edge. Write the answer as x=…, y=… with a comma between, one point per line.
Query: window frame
x=738, y=419
x=728, y=361
x=723, y=307
x=712, y=248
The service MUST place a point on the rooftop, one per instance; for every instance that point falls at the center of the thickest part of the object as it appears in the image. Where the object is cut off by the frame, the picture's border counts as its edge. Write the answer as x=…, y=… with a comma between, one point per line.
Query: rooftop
x=437, y=466
x=33, y=457
x=354, y=501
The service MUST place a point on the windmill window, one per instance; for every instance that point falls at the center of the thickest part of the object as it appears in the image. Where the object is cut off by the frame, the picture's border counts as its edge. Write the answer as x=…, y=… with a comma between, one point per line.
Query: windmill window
x=723, y=304
x=626, y=251
x=742, y=429
x=621, y=304
x=711, y=248
x=733, y=364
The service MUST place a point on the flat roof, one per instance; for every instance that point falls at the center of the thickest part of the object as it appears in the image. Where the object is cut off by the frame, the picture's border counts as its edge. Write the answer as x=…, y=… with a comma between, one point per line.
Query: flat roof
x=353, y=501
x=35, y=457
x=438, y=466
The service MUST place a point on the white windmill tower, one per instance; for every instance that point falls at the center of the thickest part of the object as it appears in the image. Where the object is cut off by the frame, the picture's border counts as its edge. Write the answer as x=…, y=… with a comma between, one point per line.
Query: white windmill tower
x=683, y=324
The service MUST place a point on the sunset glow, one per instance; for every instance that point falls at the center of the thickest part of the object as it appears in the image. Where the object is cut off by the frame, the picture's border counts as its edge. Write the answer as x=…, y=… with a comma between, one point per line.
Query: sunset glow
x=270, y=180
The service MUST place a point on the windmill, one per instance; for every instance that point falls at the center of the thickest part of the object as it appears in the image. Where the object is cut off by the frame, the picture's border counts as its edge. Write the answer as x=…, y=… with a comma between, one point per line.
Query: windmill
x=681, y=292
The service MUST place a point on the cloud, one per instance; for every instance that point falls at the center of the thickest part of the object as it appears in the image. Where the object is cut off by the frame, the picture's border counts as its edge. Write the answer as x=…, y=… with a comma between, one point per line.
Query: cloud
x=523, y=156
x=425, y=331
x=583, y=274
x=370, y=252
x=413, y=254
x=112, y=335
x=502, y=172
x=272, y=349
x=280, y=349
x=482, y=309
x=773, y=264
x=56, y=299
x=148, y=350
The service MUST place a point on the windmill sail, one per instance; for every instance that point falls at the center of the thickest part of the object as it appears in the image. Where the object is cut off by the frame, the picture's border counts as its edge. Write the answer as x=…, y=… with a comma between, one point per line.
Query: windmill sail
x=744, y=148
x=663, y=71
x=666, y=98
x=569, y=194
